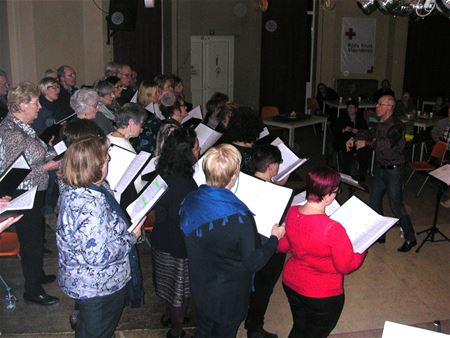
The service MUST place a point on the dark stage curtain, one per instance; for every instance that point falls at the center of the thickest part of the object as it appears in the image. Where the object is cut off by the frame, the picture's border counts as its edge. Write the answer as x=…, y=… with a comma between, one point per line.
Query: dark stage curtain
x=141, y=49
x=427, y=70
x=284, y=55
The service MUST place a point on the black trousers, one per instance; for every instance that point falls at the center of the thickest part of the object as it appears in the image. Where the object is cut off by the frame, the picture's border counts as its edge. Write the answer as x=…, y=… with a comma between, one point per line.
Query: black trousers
x=363, y=155
x=313, y=317
x=30, y=231
x=264, y=282
x=209, y=328
x=99, y=316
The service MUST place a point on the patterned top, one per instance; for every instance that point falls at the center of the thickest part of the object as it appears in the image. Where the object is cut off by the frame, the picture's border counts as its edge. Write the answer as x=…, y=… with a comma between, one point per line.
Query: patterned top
x=93, y=245
x=16, y=137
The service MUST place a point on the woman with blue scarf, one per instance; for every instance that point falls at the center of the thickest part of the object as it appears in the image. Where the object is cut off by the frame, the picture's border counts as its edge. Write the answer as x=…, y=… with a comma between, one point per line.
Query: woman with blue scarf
x=220, y=236
x=93, y=240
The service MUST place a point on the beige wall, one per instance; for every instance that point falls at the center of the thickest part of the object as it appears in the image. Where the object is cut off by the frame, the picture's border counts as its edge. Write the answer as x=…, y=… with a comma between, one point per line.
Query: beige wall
x=390, y=46
x=45, y=34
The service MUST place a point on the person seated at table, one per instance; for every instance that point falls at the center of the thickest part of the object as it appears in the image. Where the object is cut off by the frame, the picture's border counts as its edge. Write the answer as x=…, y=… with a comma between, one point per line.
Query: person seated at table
x=384, y=90
x=350, y=123
x=439, y=108
x=243, y=131
x=405, y=105
x=321, y=255
x=220, y=235
x=325, y=93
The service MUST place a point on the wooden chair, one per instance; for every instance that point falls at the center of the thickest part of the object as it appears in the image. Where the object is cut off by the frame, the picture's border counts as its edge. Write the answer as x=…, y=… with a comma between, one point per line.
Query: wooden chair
x=9, y=246
x=436, y=160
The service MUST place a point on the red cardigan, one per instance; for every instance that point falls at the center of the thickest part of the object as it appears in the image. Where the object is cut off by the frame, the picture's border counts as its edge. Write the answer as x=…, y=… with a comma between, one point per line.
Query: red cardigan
x=321, y=254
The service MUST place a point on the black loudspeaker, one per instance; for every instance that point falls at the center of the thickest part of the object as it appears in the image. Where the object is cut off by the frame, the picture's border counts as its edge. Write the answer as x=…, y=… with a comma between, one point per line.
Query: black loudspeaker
x=122, y=15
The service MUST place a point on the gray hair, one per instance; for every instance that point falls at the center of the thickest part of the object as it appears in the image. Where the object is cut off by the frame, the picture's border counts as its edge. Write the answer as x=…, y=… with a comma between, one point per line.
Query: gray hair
x=103, y=88
x=112, y=69
x=83, y=99
x=130, y=111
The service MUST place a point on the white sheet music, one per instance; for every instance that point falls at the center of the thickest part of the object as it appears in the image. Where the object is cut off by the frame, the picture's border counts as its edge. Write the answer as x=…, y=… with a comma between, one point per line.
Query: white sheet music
x=60, y=147
x=195, y=113
x=350, y=181
x=290, y=160
x=266, y=200
x=206, y=137
x=395, y=330
x=263, y=133
x=300, y=199
x=120, y=160
x=133, y=168
x=442, y=173
x=24, y=201
x=362, y=224
x=199, y=175
x=146, y=201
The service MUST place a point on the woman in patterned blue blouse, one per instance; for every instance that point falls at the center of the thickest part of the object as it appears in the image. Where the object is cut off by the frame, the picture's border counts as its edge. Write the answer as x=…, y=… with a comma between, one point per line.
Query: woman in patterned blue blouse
x=93, y=240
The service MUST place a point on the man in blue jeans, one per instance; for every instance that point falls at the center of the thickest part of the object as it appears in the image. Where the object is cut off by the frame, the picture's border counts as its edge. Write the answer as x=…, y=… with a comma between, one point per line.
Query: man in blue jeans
x=389, y=145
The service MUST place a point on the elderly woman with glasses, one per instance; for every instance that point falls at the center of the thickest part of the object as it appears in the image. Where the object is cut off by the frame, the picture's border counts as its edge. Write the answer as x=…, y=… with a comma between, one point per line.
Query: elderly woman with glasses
x=105, y=91
x=85, y=104
x=93, y=240
x=321, y=254
x=17, y=137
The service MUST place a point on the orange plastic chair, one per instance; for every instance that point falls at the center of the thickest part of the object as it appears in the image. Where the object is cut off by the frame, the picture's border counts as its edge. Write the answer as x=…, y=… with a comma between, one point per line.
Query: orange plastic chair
x=436, y=160
x=9, y=246
x=312, y=105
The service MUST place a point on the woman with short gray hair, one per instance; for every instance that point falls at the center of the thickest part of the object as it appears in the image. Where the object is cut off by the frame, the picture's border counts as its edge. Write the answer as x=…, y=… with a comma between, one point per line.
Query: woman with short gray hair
x=105, y=91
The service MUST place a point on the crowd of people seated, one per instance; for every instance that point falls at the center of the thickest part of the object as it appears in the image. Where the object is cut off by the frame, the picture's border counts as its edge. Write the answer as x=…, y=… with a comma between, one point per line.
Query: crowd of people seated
x=205, y=246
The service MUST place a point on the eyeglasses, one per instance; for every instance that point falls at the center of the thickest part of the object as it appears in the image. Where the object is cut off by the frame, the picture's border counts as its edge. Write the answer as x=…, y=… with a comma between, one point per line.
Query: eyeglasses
x=108, y=157
x=384, y=104
x=118, y=86
x=34, y=103
x=126, y=74
x=53, y=87
x=93, y=105
x=71, y=75
x=337, y=191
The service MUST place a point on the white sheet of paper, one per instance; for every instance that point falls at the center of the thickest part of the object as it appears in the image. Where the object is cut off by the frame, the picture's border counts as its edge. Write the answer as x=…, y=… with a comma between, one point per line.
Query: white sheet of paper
x=300, y=199
x=133, y=168
x=24, y=201
x=266, y=200
x=134, y=98
x=60, y=147
x=146, y=201
x=290, y=160
x=264, y=133
x=362, y=224
x=199, y=175
x=442, y=173
x=350, y=181
x=151, y=166
x=206, y=137
x=195, y=113
x=120, y=160
x=19, y=163
x=395, y=330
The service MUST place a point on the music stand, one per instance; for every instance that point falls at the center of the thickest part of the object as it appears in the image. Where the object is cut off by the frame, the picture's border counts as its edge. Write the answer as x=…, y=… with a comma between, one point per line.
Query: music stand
x=433, y=230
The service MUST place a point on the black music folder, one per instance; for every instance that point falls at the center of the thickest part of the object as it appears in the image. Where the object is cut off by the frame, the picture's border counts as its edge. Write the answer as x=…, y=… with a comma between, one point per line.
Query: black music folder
x=11, y=178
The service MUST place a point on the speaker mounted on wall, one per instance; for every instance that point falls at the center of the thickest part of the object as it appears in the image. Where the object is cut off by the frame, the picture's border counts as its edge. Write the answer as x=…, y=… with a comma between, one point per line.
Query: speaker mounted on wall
x=122, y=15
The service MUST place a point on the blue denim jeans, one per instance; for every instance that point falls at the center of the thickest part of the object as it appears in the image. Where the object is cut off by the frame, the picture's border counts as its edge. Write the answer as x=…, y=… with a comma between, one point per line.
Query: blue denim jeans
x=390, y=181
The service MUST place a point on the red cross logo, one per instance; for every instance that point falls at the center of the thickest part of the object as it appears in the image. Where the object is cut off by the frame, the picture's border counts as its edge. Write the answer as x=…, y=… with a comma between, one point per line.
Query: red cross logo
x=350, y=33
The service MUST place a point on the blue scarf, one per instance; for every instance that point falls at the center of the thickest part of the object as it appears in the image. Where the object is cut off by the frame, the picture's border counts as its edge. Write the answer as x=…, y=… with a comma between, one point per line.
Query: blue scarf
x=206, y=205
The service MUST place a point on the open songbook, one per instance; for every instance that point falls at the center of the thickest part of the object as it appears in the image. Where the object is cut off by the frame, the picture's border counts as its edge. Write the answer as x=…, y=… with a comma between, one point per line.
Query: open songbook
x=290, y=160
x=24, y=201
x=146, y=200
x=60, y=148
x=442, y=174
x=206, y=136
x=13, y=176
x=53, y=130
x=395, y=330
x=362, y=224
x=195, y=113
x=124, y=168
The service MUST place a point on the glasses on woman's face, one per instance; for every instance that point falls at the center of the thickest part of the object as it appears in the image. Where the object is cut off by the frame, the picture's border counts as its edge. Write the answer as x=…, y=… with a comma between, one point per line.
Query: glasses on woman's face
x=54, y=87
x=337, y=190
x=108, y=157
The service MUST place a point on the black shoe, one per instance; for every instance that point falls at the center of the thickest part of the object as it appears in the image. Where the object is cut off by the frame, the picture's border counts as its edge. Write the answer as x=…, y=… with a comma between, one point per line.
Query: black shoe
x=182, y=334
x=407, y=246
x=47, y=279
x=47, y=251
x=260, y=333
x=43, y=299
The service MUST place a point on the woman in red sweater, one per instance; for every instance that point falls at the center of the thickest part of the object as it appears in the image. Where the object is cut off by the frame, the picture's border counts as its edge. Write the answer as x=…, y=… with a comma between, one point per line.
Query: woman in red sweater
x=321, y=254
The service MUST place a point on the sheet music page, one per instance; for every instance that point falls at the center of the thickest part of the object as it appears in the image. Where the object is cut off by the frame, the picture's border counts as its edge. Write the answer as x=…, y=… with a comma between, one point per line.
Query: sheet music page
x=60, y=147
x=24, y=201
x=350, y=181
x=442, y=173
x=134, y=98
x=395, y=330
x=151, y=166
x=20, y=163
x=195, y=113
x=133, y=168
x=146, y=201
x=199, y=175
x=206, y=137
x=362, y=224
x=266, y=200
x=264, y=133
x=120, y=160
x=290, y=160
x=300, y=199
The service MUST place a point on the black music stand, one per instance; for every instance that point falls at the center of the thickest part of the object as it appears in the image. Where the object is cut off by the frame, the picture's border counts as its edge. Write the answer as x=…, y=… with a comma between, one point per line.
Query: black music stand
x=433, y=230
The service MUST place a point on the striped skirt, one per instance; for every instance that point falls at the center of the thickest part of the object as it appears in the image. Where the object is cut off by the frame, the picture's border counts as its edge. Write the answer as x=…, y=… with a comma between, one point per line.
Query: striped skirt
x=170, y=277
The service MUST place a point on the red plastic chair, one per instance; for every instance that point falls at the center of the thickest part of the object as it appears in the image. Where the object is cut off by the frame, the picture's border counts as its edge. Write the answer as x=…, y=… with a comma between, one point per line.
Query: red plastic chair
x=436, y=160
x=148, y=225
x=9, y=246
x=312, y=105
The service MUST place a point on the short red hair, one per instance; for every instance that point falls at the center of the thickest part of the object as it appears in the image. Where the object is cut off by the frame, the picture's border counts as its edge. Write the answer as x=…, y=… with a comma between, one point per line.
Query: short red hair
x=320, y=182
